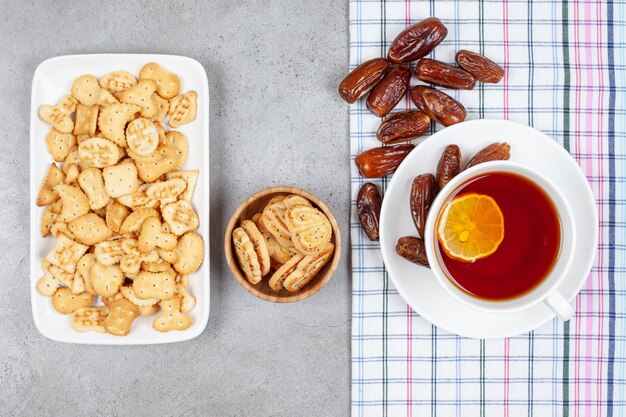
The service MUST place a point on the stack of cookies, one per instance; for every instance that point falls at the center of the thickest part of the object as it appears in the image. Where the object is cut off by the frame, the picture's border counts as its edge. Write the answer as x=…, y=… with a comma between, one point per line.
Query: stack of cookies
x=289, y=241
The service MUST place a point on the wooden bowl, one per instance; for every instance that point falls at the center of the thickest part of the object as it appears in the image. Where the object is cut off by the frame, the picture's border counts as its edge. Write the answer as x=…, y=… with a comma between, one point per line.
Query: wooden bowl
x=255, y=204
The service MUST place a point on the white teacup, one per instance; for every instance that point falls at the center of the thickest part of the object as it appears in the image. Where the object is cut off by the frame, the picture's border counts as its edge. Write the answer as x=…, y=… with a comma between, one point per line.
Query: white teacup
x=546, y=291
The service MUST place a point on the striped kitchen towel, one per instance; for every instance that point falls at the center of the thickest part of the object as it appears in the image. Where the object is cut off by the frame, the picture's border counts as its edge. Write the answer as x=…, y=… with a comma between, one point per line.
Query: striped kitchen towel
x=565, y=65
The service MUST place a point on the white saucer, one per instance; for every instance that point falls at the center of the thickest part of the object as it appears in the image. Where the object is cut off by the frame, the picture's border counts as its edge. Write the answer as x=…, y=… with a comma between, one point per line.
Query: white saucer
x=418, y=285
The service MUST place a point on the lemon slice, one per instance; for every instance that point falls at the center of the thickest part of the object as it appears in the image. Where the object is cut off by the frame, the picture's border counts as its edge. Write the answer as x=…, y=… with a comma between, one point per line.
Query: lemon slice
x=471, y=227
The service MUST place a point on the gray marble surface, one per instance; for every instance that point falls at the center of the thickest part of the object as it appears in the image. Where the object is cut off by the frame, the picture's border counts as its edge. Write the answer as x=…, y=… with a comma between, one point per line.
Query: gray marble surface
x=275, y=119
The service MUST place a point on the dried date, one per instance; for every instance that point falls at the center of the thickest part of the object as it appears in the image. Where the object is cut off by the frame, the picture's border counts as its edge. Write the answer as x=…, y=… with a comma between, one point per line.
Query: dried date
x=449, y=165
x=438, y=105
x=368, y=205
x=413, y=250
x=444, y=75
x=479, y=66
x=362, y=79
x=494, y=152
x=424, y=189
x=389, y=91
x=403, y=126
x=417, y=40
x=378, y=162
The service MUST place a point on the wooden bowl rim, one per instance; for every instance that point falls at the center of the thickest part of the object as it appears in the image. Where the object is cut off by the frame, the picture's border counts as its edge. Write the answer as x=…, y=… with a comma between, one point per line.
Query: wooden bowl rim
x=234, y=265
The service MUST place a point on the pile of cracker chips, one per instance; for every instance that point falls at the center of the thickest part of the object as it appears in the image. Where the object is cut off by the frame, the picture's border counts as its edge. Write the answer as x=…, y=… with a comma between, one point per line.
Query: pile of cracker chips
x=118, y=206
x=290, y=239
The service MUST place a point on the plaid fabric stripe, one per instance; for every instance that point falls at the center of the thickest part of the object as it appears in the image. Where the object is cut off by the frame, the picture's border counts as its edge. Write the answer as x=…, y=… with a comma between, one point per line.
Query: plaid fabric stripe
x=565, y=65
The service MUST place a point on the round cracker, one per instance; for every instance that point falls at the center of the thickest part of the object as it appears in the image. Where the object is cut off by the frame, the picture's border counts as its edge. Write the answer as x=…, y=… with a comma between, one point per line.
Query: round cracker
x=190, y=253
x=86, y=90
x=142, y=137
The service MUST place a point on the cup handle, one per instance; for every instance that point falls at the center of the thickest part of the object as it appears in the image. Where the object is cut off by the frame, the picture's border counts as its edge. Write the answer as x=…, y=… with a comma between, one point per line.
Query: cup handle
x=560, y=306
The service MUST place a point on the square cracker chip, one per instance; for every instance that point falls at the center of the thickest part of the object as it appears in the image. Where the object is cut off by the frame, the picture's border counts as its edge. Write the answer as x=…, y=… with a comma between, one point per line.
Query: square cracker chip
x=115, y=215
x=71, y=176
x=187, y=301
x=78, y=284
x=74, y=159
x=86, y=120
x=131, y=263
x=106, y=98
x=120, y=179
x=66, y=253
x=83, y=267
x=166, y=192
x=190, y=177
x=60, y=228
x=47, y=220
x=134, y=221
x=65, y=278
x=67, y=104
x=109, y=252
x=47, y=195
x=138, y=199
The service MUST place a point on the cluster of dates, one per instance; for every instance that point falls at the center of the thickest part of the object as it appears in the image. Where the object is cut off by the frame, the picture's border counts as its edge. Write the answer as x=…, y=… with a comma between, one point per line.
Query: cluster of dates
x=387, y=81
x=424, y=189
x=388, y=84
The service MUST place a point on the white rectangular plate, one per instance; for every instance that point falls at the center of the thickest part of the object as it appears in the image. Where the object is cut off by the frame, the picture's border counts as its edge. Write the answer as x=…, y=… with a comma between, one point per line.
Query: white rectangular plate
x=52, y=80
